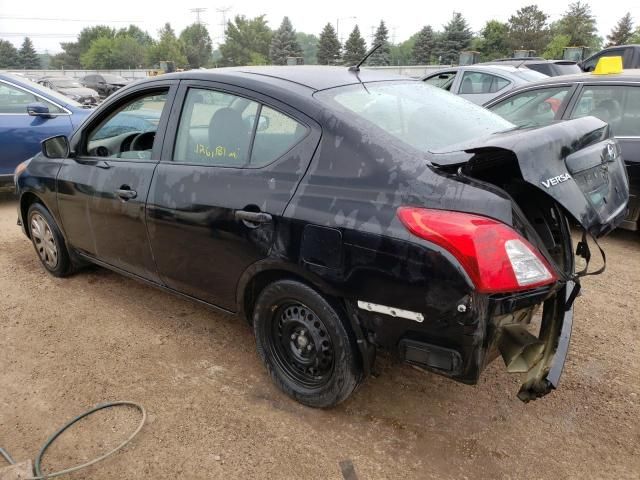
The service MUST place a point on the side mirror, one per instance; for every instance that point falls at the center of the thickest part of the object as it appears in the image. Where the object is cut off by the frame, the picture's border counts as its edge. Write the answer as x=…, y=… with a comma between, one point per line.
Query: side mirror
x=37, y=109
x=56, y=147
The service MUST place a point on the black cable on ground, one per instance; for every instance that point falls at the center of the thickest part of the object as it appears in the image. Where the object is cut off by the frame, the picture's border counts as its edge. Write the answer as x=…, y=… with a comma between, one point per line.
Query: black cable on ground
x=38, y=461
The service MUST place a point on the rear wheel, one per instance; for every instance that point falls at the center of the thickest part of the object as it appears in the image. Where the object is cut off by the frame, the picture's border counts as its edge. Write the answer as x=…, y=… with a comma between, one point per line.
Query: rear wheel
x=48, y=241
x=304, y=344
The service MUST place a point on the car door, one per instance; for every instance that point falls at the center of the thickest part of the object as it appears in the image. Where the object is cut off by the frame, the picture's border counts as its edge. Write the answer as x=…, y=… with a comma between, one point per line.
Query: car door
x=21, y=133
x=225, y=178
x=534, y=106
x=480, y=87
x=102, y=191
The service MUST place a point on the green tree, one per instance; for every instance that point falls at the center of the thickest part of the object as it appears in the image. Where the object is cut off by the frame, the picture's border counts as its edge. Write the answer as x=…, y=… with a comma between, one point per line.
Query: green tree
x=494, y=40
x=455, y=38
x=72, y=51
x=402, y=53
x=168, y=48
x=354, y=48
x=382, y=56
x=423, y=46
x=128, y=52
x=309, y=44
x=197, y=45
x=139, y=35
x=100, y=55
x=27, y=56
x=247, y=42
x=328, y=46
x=580, y=25
x=528, y=29
x=555, y=47
x=622, y=32
x=9, y=57
x=284, y=43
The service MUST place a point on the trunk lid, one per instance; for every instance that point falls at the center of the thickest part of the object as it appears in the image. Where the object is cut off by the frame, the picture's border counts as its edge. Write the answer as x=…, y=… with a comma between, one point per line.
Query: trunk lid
x=577, y=163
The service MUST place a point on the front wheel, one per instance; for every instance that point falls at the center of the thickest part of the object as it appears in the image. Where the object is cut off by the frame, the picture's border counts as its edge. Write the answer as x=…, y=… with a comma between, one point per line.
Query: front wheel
x=304, y=344
x=48, y=241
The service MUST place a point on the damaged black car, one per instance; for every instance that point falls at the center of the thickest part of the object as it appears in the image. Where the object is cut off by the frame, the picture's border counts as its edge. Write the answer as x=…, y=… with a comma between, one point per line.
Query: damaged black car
x=342, y=213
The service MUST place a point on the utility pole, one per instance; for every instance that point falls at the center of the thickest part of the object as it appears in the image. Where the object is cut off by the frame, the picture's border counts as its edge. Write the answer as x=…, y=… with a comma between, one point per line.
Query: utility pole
x=223, y=11
x=338, y=25
x=198, y=11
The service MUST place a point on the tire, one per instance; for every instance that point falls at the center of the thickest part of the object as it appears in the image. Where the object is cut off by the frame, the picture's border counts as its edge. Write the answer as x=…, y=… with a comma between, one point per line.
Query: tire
x=304, y=344
x=48, y=241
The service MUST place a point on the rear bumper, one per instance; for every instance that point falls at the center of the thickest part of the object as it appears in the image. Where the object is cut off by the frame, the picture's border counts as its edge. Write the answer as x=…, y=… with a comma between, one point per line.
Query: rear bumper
x=501, y=328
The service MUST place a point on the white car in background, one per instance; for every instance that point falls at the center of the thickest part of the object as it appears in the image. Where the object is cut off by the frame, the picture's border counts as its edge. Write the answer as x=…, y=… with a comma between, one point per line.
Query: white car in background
x=482, y=83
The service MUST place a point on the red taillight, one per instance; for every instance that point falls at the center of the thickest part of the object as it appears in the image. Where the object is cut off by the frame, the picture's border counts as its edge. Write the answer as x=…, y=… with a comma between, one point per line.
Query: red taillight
x=496, y=257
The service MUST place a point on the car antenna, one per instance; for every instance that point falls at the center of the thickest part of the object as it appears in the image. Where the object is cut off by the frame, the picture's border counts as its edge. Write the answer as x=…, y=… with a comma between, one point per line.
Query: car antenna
x=356, y=68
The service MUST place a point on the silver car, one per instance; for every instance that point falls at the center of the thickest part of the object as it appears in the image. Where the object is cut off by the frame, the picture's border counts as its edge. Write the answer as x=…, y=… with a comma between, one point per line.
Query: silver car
x=482, y=83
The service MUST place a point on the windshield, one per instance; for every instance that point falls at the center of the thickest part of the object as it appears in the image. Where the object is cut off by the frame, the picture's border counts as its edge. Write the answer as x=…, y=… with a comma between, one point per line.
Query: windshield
x=423, y=116
x=113, y=79
x=65, y=83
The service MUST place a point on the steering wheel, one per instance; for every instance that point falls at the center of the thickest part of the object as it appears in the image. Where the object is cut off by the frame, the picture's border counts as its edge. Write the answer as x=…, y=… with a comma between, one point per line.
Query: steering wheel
x=142, y=141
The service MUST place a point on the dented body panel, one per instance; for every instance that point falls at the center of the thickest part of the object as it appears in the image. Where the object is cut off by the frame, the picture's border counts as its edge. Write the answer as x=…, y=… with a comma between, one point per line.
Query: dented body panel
x=331, y=208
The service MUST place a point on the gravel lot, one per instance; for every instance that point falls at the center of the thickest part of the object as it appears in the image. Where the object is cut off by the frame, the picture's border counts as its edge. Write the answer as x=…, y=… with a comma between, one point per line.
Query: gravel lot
x=68, y=344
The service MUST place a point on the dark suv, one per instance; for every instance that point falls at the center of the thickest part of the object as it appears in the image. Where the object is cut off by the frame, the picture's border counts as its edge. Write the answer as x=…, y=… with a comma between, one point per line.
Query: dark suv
x=341, y=212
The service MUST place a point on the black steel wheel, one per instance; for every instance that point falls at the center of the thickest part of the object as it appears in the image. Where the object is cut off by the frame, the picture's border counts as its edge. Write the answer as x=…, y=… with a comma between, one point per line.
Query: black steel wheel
x=305, y=345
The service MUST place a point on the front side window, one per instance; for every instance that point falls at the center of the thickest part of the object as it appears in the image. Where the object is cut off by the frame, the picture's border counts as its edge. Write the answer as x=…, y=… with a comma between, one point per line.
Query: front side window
x=480, y=83
x=443, y=80
x=616, y=105
x=532, y=107
x=424, y=117
x=217, y=129
x=15, y=100
x=129, y=131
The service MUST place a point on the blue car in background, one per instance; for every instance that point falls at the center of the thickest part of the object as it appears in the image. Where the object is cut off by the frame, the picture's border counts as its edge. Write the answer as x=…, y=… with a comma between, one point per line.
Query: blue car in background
x=29, y=113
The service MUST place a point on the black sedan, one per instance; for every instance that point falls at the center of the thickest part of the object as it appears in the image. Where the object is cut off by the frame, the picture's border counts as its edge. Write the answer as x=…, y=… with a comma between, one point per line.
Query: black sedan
x=613, y=98
x=104, y=83
x=341, y=212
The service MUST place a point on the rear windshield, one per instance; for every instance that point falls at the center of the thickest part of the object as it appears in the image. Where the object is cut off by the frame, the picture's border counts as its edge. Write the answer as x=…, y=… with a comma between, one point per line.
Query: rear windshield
x=425, y=117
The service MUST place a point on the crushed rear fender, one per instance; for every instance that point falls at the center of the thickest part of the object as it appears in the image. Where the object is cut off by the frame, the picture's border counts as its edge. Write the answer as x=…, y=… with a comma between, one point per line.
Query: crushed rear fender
x=577, y=163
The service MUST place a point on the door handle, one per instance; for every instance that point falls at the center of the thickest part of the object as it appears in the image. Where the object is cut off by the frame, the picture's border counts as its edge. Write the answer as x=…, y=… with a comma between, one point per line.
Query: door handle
x=253, y=217
x=126, y=193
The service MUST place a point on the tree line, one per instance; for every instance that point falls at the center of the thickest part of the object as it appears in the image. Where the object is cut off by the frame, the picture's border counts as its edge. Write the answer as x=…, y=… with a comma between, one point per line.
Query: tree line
x=250, y=41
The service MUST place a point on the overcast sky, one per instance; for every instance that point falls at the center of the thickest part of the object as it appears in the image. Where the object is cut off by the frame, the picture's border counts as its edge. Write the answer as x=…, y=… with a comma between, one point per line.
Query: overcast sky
x=43, y=20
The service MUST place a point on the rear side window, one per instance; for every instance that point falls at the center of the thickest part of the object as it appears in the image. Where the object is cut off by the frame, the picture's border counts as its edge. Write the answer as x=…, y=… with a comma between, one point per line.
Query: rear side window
x=617, y=105
x=443, y=80
x=532, y=107
x=275, y=135
x=217, y=129
x=479, y=83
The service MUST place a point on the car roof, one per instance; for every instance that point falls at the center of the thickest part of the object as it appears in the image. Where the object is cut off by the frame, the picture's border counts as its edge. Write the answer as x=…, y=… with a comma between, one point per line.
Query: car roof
x=314, y=77
x=527, y=61
x=630, y=75
x=497, y=68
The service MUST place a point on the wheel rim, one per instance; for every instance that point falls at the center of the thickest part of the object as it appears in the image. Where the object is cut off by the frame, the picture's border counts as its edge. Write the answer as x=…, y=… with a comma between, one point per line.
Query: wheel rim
x=301, y=345
x=44, y=240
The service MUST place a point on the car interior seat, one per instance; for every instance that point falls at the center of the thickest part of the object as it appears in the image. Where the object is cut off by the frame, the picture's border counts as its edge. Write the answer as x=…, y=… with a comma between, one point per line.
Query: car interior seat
x=467, y=86
x=228, y=137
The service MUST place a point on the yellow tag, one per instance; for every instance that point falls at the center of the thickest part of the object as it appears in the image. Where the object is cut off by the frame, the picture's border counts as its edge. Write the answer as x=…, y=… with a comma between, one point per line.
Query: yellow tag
x=608, y=65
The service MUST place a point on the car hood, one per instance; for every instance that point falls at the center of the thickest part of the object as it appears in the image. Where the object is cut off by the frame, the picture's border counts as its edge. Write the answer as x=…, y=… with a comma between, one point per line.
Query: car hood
x=577, y=163
x=82, y=91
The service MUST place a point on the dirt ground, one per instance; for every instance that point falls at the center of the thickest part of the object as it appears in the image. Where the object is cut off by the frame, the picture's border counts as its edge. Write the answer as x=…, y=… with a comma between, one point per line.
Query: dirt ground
x=68, y=344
